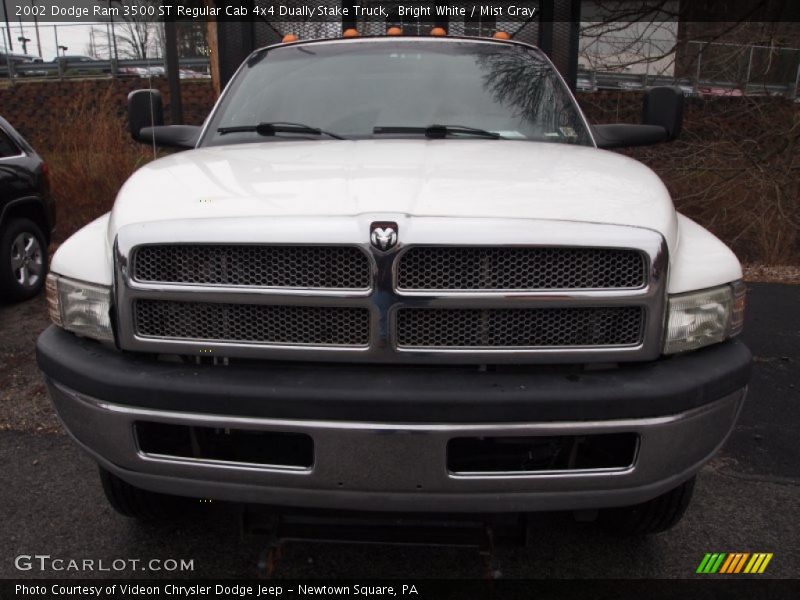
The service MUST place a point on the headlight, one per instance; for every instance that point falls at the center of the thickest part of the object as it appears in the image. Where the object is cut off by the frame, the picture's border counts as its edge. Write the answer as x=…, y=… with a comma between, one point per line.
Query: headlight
x=706, y=317
x=82, y=308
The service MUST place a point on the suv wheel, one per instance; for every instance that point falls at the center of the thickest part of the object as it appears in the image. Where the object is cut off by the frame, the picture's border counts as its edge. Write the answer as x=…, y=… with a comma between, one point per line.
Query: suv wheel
x=23, y=260
x=654, y=516
x=136, y=503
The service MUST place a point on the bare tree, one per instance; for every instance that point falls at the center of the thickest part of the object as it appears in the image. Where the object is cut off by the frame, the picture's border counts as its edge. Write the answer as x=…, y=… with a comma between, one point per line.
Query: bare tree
x=618, y=35
x=680, y=37
x=137, y=37
x=131, y=37
x=736, y=167
x=192, y=39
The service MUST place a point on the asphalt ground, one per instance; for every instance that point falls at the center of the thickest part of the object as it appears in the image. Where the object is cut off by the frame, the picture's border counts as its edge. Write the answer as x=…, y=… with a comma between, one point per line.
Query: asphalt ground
x=746, y=499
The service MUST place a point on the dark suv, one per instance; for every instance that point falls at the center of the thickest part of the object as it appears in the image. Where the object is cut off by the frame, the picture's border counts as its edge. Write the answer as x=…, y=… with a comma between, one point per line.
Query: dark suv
x=19, y=65
x=27, y=216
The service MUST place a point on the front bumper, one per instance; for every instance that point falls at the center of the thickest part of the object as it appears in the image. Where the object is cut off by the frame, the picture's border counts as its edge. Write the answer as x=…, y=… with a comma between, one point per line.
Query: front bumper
x=392, y=457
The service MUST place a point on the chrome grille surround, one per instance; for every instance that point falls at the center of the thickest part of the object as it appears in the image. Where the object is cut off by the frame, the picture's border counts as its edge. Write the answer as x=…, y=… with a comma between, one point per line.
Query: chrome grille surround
x=383, y=300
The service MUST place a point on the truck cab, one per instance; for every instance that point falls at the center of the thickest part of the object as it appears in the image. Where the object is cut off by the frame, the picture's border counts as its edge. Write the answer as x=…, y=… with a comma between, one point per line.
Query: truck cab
x=399, y=274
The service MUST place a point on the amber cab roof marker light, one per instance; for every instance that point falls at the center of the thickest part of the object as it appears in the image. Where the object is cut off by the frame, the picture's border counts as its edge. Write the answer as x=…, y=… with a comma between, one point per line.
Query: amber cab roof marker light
x=289, y=38
x=438, y=31
x=350, y=33
x=501, y=35
x=394, y=31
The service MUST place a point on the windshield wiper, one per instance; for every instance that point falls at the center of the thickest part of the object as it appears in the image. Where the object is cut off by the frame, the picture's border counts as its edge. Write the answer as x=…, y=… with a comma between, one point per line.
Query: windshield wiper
x=438, y=131
x=268, y=129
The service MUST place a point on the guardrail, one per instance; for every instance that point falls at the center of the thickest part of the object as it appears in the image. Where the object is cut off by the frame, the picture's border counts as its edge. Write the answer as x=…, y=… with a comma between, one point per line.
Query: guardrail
x=589, y=81
x=714, y=83
x=715, y=68
x=63, y=69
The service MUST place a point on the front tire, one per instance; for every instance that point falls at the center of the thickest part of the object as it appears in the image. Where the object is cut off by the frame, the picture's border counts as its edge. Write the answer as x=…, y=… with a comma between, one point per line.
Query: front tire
x=136, y=503
x=654, y=516
x=23, y=260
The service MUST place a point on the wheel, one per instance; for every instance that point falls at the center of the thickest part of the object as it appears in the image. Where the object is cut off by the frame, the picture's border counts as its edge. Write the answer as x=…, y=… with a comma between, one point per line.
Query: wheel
x=23, y=260
x=654, y=516
x=136, y=503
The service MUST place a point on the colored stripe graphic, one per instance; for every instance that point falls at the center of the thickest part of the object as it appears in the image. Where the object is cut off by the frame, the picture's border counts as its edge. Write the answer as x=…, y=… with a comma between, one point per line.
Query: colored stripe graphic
x=734, y=563
x=703, y=563
x=758, y=563
x=711, y=562
x=715, y=567
x=765, y=563
x=732, y=559
x=724, y=563
x=741, y=562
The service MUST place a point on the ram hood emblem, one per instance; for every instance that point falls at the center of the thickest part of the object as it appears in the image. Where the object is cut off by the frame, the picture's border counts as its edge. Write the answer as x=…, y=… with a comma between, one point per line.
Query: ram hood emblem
x=383, y=236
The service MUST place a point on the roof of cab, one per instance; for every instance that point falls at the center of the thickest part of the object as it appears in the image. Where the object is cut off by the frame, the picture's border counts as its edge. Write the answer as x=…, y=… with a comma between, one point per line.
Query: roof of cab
x=403, y=38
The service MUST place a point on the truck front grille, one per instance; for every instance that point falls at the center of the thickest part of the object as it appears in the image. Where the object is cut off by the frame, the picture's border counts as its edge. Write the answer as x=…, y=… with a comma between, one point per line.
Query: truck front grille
x=517, y=268
x=312, y=267
x=599, y=300
x=252, y=323
x=519, y=327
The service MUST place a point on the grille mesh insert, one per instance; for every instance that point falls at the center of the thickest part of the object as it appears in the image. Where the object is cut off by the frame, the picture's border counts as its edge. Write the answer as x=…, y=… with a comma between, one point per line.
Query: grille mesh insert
x=320, y=267
x=519, y=327
x=266, y=324
x=500, y=268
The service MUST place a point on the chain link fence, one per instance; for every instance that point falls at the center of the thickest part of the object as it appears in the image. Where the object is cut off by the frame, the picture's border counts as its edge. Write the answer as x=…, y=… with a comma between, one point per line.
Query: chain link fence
x=115, y=49
x=627, y=54
x=749, y=69
x=703, y=68
x=271, y=32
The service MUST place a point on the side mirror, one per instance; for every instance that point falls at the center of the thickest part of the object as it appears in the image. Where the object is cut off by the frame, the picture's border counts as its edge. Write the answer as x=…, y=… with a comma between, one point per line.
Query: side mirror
x=146, y=122
x=663, y=106
x=662, y=116
x=145, y=109
x=171, y=136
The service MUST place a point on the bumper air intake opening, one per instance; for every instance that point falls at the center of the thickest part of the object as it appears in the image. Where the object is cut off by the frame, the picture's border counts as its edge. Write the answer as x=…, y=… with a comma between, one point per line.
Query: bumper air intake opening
x=247, y=446
x=541, y=453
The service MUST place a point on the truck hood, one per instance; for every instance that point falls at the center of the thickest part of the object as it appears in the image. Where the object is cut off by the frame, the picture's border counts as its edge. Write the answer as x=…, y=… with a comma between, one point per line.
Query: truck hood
x=413, y=178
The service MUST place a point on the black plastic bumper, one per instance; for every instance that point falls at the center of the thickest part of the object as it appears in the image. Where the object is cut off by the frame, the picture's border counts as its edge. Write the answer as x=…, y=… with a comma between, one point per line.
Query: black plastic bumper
x=396, y=394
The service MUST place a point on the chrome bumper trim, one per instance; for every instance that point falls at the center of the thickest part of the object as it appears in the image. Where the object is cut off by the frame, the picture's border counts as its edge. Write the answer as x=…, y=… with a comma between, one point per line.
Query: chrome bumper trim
x=379, y=466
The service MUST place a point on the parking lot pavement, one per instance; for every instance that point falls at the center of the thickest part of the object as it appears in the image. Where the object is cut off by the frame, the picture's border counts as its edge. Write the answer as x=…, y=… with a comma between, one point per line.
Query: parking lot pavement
x=746, y=498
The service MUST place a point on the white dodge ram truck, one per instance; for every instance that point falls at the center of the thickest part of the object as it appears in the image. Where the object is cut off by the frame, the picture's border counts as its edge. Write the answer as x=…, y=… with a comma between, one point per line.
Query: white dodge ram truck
x=399, y=274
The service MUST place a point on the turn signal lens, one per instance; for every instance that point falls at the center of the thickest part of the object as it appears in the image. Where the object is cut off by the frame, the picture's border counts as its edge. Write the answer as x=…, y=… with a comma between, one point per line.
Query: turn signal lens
x=739, y=303
x=51, y=294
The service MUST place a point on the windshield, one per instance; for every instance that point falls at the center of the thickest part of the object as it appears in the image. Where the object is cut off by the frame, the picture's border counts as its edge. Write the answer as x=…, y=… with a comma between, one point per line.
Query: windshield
x=399, y=88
